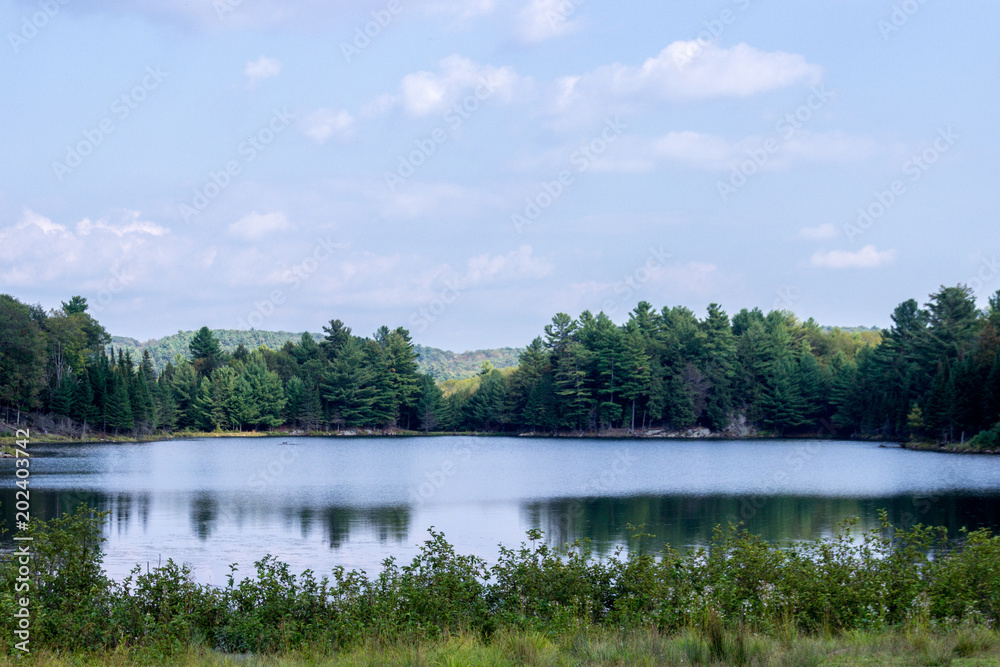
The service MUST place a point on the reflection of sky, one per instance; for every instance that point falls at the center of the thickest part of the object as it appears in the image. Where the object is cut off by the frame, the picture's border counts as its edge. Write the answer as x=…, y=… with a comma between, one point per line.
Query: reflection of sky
x=330, y=502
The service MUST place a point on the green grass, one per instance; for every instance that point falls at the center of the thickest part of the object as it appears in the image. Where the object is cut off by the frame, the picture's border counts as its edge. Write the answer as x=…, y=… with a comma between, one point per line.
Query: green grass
x=964, y=648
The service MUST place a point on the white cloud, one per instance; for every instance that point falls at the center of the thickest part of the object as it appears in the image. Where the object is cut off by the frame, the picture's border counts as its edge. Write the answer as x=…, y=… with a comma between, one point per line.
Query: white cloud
x=36, y=251
x=256, y=226
x=633, y=153
x=460, y=9
x=823, y=232
x=516, y=265
x=425, y=92
x=131, y=225
x=322, y=124
x=866, y=258
x=32, y=219
x=541, y=20
x=740, y=71
x=260, y=69
x=417, y=199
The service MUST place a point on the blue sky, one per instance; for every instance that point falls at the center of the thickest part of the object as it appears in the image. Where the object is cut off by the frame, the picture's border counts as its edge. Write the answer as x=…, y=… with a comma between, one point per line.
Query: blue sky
x=468, y=169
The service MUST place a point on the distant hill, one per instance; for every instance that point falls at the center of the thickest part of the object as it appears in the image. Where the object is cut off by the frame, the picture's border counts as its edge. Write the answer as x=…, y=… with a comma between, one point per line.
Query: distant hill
x=440, y=364
x=852, y=329
x=443, y=365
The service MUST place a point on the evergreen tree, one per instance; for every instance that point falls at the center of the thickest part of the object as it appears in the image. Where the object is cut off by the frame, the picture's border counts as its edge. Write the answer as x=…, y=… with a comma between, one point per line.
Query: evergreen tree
x=485, y=408
x=719, y=354
x=62, y=400
x=574, y=399
x=430, y=405
x=184, y=385
x=348, y=386
x=203, y=409
x=296, y=400
x=119, y=410
x=635, y=369
x=84, y=410
x=266, y=392
x=206, y=355
x=401, y=360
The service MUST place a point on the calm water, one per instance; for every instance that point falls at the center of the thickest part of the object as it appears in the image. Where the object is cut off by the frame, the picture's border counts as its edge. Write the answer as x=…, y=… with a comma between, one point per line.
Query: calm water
x=320, y=502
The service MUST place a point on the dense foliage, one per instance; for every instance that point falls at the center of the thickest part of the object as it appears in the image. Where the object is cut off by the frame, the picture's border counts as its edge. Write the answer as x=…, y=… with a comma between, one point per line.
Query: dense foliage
x=933, y=375
x=873, y=581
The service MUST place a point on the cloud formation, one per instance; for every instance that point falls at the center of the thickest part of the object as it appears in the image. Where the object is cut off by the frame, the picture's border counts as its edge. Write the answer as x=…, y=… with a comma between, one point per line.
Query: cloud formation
x=739, y=71
x=322, y=124
x=423, y=92
x=542, y=20
x=866, y=258
x=255, y=226
x=260, y=69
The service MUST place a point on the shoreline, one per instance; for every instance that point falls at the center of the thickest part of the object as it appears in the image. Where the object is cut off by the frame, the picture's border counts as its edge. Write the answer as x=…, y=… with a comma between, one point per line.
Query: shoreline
x=691, y=434
x=7, y=441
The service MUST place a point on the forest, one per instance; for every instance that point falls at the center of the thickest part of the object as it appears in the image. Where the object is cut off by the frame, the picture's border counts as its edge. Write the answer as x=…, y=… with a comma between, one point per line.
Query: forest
x=932, y=376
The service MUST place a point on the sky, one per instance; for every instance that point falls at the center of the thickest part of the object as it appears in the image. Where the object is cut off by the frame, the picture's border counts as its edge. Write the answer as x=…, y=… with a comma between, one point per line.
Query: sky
x=467, y=169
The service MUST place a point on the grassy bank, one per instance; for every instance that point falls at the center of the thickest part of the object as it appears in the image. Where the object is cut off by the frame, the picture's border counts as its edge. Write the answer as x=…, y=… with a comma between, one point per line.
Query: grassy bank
x=968, y=648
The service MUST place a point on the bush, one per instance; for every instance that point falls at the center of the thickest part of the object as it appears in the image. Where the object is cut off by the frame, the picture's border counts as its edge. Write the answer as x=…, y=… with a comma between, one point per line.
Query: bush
x=737, y=586
x=987, y=440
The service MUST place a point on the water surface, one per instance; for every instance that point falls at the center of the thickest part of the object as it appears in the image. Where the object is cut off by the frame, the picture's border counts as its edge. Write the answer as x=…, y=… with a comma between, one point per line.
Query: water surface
x=321, y=502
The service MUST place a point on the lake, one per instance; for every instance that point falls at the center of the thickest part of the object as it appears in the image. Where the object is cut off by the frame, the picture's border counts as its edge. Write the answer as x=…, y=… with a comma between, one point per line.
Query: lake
x=320, y=502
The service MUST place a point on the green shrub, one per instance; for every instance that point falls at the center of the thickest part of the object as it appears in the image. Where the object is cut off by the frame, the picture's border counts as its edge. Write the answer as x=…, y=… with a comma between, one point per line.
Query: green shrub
x=727, y=594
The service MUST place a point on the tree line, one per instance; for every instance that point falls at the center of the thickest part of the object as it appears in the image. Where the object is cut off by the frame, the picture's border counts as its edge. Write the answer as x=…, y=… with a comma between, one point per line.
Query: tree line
x=933, y=375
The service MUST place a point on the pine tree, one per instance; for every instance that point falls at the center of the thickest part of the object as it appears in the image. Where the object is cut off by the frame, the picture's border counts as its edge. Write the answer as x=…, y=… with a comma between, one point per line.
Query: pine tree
x=119, y=410
x=62, y=399
x=401, y=360
x=719, y=366
x=430, y=405
x=267, y=394
x=84, y=410
x=296, y=398
x=635, y=369
x=206, y=355
x=348, y=385
x=486, y=406
x=574, y=399
x=203, y=408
